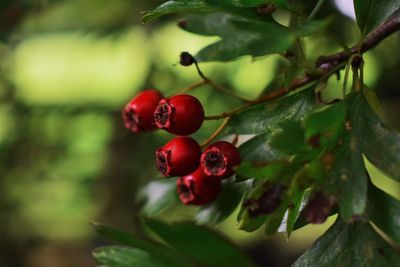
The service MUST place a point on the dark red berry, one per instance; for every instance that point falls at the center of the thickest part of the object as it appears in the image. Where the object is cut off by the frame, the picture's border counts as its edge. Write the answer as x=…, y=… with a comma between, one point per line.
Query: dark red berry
x=180, y=156
x=219, y=158
x=180, y=114
x=138, y=113
x=198, y=188
x=268, y=202
x=318, y=208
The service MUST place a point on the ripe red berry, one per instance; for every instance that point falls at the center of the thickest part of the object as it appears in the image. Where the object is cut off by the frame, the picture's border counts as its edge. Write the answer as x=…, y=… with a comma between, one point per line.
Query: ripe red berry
x=138, y=113
x=180, y=114
x=180, y=156
x=219, y=158
x=198, y=188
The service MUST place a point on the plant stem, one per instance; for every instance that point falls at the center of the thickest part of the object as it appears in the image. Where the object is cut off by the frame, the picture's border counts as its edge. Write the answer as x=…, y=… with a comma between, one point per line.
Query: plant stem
x=391, y=25
x=192, y=86
x=216, y=86
x=225, y=90
x=316, y=9
x=327, y=65
x=216, y=133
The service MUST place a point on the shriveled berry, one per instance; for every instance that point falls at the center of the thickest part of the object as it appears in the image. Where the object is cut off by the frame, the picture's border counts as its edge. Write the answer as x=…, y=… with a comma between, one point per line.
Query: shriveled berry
x=181, y=114
x=180, y=156
x=219, y=158
x=138, y=113
x=318, y=208
x=198, y=188
x=186, y=59
x=268, y=202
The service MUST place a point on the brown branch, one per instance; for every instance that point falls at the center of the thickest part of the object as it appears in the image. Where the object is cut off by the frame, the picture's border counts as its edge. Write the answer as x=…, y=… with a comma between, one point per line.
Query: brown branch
x=391, y=25
x=326, y=65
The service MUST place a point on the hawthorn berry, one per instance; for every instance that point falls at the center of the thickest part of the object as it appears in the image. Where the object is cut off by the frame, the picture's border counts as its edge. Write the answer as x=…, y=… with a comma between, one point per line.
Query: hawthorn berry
x=138, y=113
x=198, y=188
x=180, y=156
x=180, y=115
x=219, y=158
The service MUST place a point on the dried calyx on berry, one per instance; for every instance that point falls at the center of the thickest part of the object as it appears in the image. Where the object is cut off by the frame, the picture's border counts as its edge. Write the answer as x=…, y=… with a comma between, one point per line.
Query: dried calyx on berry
x=186, y=59
x=318, y=208
x=138, y=113
x=180, y=115
x=198, y=188
x=180, y=156
x=219, y=158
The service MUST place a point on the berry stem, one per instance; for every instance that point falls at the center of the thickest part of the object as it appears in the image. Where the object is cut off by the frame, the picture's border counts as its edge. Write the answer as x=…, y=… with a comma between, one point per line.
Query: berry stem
x=217, y=86
x=225, y=90
x=314, y=12
x=216, y=133
x=192, y=86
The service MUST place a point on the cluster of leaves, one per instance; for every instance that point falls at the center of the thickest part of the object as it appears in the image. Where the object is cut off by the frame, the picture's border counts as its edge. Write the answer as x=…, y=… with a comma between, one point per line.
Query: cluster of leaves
x=305, y=161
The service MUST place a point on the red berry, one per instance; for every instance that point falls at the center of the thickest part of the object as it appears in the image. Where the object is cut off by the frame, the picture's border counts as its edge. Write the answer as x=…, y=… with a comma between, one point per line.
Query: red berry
x=180, y=114
x=180, y=156
x=138, y=113
x=219, y=158
x=198, y=188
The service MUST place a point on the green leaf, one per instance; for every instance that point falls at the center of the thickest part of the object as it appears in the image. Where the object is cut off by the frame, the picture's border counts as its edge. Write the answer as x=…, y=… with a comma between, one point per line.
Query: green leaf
x=269, y=172
x=155, y=249
x=290, y=140
x=312, y=27
x=347, y=179
x=235, y=42
x=371, y=13
x=258, y=149
x=201, y=243
x=254, y=3
x=234, y=7
x=274, y=220
x=119, y=256
x=248, y=223
x=297, y=200
x=225, y=205
x=356, y=245
x=243, y=37
x=242, y=43
x=158, y=196
x=325, y=127
x=122, y=237
x=384, y=211
x=216, y=24
x=344, y=166
x=244, y=34
x=262, y=117
x=380, y=144
x=259, y=160
x=177, y=6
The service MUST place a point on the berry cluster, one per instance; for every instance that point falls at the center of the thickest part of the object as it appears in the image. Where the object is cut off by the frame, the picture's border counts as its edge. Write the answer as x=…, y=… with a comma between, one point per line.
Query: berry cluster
x=200, y=171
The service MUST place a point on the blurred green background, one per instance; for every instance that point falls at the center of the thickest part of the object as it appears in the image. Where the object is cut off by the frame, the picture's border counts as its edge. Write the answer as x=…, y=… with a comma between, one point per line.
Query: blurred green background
x=67, y=69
